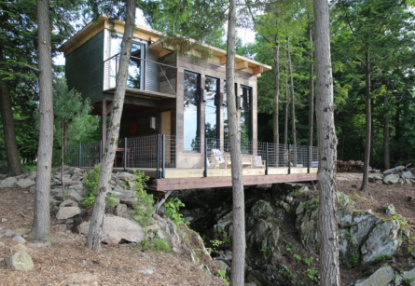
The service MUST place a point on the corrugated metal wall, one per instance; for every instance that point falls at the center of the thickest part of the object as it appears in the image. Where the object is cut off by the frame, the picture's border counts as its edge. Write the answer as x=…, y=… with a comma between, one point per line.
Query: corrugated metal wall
x=84, y=68
x=152, y=70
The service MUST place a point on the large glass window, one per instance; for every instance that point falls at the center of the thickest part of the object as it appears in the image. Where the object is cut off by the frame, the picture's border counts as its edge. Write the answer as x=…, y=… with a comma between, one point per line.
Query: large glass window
x=246, y=126
x=134, y=79
x=211, y=111
x=191, y=111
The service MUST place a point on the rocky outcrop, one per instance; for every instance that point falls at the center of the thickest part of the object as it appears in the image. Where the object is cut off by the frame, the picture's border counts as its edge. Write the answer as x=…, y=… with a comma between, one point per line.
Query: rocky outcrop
x=8, y=183
x=362, y=235
x=381, y=277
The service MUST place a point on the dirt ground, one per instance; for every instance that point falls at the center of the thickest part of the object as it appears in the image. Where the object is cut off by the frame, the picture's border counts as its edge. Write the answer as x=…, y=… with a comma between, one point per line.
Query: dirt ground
x=114, y=265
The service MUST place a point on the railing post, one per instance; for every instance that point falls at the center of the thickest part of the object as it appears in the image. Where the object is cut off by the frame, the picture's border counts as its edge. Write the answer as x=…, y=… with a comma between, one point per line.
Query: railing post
x=164, y=157
x=158, y=157
x=125, y=155
x=205, y=171
x=266, y=160
x=80, y=155
x=289, y=160
x=309, y=159
x=100, y=151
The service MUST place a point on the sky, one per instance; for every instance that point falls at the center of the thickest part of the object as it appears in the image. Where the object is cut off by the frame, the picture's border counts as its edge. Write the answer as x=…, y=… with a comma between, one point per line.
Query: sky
x=247, y=35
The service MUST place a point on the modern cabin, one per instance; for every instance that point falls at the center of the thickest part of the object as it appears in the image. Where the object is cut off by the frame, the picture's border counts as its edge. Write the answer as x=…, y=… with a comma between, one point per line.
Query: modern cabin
x=174, y=123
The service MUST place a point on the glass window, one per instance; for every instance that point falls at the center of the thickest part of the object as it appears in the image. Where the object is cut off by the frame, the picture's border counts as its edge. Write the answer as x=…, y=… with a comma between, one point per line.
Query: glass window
x=246, y=96
x=225, y=118
x=211, y=111
x=134, y=68
x=191, y=111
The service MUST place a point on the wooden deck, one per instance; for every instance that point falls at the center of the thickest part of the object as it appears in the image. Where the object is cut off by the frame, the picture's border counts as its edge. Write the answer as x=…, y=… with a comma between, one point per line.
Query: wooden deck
x=182, y=179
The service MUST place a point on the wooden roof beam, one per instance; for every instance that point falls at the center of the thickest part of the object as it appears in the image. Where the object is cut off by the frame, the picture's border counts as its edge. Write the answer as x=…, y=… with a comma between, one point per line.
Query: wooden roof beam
x=222, y=60
x=241, y=65
x=257, y=70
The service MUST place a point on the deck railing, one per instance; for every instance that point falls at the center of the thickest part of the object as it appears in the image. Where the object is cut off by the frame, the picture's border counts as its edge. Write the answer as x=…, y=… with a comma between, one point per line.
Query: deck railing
x=163, y=152
x=161, y=77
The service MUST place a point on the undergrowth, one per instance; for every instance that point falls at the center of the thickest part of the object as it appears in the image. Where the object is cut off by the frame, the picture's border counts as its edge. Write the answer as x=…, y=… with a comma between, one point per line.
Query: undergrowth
x=90, y=184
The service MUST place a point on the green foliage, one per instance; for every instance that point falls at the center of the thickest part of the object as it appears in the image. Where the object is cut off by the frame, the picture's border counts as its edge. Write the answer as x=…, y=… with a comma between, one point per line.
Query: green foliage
x=354, y=260
x=144, y=208
x=172, y=209
x=308, y=261
x=157, y=244
x=264, y=250
x=357, y=195
x=349, y=236
x=311, y=274
x=382, y=258
x=90, y=184
x=222, y=274
x=296, y=256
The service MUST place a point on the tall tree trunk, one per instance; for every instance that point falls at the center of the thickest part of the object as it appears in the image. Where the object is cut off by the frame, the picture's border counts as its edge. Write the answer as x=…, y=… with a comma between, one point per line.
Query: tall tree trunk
x=238, y=246
x=371, y=158
x=327, y=145
x=292, y=103
x=311, y=94
x=97, y=218
x=286, y=111
x=276, y=55
x=41, y=220
x=368, y=126
x=386, y=155
x=13, y=161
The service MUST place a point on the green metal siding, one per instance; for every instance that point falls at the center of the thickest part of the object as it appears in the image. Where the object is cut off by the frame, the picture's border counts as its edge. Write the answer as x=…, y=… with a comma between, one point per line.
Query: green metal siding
x=84, y=68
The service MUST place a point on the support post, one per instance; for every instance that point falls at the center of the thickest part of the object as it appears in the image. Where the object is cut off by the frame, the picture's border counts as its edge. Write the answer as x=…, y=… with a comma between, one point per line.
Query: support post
x=158, y=157
x=289, y=160
x=309, y=159
x=100, y=151
x=266, y=159
x=164, y=157
x=125, y=154
x=80, y=155
x=205, y=172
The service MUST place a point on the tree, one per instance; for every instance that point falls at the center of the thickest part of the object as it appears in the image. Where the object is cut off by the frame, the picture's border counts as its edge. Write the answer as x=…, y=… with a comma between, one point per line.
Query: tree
x=327, y=145
x=41, y=220
x=238, y=247
x=97, y=218
x=294, y=130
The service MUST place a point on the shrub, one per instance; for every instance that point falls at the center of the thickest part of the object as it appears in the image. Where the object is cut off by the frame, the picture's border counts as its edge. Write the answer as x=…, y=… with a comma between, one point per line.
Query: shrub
x=143, y=211
x=172, y=209
x=90, y=185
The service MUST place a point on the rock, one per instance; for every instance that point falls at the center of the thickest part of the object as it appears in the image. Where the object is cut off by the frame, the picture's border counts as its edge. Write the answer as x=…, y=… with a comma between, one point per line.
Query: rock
x=32, y=175
x=40, y=244
x=20, y=231
x=126, y=176
x=391, y=179
x=408, y=182
x=221, y=265
x=389, y=209
x=19, y=239
x=409, y=276
x=16, y=248
x=383, y=240
x=303, y=189
x=67, y=212
x=378, y=177
x=82, y=279
x=68, y=203
x=407, y=175
x=8, y=183
x=122, y=211
x=25, y=183
x=4, y=219
x=387, y=172
x=116, y=229
x=21, y=260
x=2, y=244
x=32, y=189
x=381, y=277
x=9, y=233
x=149, y=271
x=68, y=194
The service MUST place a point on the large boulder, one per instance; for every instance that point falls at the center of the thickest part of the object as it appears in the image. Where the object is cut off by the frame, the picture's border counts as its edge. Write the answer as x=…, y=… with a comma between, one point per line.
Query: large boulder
x=20, y=260
x=124, y=176
x=389, y=209
x=25, y=183
x=391, y=179
x=117, y=229
x=8, y=183
x=409, y=276
x=390, y=171
x=381, y=277
x=67, y=212
x=384, y=240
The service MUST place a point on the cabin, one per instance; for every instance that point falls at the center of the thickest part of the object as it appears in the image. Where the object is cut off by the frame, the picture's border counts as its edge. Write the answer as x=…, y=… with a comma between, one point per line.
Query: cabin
x=174, y=124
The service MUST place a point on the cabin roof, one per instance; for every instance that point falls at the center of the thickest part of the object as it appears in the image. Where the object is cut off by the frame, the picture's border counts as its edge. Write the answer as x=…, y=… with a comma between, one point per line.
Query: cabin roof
x=148, y=34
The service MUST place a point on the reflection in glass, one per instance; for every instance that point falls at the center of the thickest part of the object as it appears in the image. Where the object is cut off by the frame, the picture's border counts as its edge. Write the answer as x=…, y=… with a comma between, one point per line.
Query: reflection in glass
x=191, y=111
x=211, y=110
x=134, y=66
x=245, y=118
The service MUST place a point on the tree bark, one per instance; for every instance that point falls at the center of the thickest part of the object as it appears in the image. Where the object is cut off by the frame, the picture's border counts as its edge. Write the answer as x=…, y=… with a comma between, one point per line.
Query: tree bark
x=365, y=180
x=286, y=111
x=97, y=218
x=276, y=55
x=292, y=103
x=14, y=166
x=371, y=158
x=41, y=220
x=327, y=144
x=238, y=246
x=386, y=154
x=311, y=94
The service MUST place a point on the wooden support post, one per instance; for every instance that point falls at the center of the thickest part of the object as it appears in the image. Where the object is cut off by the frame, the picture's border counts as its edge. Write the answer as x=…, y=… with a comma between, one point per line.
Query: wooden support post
x=158, y=157
x=104, y=124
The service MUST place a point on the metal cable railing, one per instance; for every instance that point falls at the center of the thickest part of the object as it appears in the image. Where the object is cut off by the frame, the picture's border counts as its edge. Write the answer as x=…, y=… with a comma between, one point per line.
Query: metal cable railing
x=162, y=152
